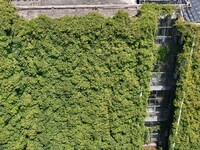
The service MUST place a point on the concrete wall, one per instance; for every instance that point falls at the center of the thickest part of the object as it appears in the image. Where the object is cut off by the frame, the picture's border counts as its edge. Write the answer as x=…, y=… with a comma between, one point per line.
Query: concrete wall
x=58, y=8
x=30, y=12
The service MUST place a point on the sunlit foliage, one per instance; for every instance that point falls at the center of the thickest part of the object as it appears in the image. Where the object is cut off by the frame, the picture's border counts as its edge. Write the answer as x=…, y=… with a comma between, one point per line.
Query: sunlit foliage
x=75, y=82
x=188, y=90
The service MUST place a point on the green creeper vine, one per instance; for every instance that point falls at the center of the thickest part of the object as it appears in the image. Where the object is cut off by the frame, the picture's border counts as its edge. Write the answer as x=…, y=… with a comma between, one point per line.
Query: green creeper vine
x=75, y=82
x=186, y=129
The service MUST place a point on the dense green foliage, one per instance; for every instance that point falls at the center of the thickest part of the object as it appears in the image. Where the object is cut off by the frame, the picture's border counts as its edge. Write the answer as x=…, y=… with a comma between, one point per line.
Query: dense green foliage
x=188, y=90
x=75, y=82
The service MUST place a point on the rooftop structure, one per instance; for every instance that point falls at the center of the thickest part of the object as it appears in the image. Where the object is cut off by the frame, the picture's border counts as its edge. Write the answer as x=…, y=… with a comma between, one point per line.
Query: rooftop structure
x=191, y=12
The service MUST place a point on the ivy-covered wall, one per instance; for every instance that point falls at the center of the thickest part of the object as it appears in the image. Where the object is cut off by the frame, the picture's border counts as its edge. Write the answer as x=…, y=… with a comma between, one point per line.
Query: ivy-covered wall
x=188, y=90
x=75, y=82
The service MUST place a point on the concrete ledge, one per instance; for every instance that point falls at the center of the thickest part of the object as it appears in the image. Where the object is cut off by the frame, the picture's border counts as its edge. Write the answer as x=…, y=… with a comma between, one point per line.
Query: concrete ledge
x=161, y=88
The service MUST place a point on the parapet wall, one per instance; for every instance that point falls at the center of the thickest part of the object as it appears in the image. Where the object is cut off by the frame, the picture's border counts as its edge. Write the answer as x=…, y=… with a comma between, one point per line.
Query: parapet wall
x=30, y=9
x=56, y=11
